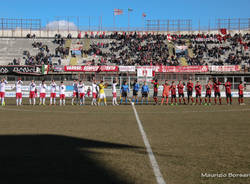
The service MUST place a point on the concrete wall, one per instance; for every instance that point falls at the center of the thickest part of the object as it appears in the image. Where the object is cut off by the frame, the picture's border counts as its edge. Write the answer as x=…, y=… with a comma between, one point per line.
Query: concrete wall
x=50, y=33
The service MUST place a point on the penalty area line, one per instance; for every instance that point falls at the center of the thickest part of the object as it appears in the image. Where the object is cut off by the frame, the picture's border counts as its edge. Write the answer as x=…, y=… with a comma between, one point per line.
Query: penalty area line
x=154, y=164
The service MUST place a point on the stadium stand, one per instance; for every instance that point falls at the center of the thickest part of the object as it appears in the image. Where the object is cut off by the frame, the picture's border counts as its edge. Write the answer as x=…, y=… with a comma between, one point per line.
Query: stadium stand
x=128, y=49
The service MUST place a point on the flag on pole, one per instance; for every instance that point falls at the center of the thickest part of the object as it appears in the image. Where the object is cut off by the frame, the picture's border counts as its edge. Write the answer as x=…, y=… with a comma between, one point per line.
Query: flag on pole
x=130, y=10
x=144, y=15
x=118, y=11
x=169, y=37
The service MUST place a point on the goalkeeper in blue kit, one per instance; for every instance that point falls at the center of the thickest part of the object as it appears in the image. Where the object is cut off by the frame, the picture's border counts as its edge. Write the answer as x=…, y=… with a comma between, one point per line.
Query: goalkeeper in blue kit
x=144, y=92
x=124, y=92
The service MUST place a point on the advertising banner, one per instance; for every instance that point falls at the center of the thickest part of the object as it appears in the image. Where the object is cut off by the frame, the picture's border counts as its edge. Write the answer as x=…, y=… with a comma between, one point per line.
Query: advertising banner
x=18, y=69
x=127, y=68
x=231, y=68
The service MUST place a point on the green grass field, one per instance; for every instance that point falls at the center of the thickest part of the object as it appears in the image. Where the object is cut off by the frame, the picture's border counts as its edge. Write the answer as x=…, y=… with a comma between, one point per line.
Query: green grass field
x=85, y=144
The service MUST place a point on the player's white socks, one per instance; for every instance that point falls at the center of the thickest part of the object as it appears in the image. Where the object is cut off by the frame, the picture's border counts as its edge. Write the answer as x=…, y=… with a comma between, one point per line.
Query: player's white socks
x=73, y=101
x=62, y=102
x=2, y=101
x=82, y=101
x=30, y=101
x=43, y=101
x=34, y=101
x=19, y=101
x=93, y=101
x=114, y=102
x=40, y=101
x=51, y=101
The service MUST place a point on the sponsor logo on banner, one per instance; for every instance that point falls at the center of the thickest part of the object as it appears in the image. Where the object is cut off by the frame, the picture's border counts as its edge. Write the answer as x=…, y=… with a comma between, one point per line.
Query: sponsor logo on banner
x=182, y=69
x=73, y=68
x=233, y=68
x=90, y=68
x=20, y=69
x=108, y=68
x=58, y=68
x=145, y=72
x=127, y=68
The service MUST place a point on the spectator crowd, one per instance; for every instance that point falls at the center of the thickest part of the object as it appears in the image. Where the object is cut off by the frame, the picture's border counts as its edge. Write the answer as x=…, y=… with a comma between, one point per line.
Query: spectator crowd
x=151, y=49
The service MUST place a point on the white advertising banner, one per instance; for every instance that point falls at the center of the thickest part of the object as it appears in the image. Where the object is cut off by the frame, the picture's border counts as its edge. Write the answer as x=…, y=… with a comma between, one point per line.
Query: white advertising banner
x=127, y=68
x=144, y=72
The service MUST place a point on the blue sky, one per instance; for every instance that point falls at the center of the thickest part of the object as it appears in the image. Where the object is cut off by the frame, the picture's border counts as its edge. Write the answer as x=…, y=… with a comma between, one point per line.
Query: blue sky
x=196, y=10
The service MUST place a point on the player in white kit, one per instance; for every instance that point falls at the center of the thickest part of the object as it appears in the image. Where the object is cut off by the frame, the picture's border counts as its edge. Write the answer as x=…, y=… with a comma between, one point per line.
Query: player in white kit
x=62, y=89
x=53, y=92
x=2, y=91
x=114, y=101
x=19, y=92
x=32, y=92
x=94, y=93
x=81, y=92
x=43, y=88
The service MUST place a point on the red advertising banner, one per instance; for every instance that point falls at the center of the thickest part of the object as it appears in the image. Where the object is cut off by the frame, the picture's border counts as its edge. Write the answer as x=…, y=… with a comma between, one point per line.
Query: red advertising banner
x=108, y=69
x=81, y=68
x=91, y=68
x=232, y=68
x=160, y=69
x=181, y=69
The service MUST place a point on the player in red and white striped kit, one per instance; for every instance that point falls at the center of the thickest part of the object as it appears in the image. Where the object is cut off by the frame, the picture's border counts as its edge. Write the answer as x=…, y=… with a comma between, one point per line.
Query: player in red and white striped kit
x=81, y=92
x=53, y=92
x=62, y=89
x=43, y=88
x=2, y=91
x=19, y=92
x=32, y=95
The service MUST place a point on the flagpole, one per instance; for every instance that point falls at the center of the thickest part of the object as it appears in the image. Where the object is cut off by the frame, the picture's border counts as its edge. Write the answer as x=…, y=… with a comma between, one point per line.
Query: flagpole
x=114, y=20
x=128, y=20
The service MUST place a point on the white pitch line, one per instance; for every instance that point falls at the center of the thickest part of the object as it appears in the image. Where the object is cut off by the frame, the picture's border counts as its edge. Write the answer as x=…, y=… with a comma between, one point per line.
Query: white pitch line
x=121, y=112
x=154, y=164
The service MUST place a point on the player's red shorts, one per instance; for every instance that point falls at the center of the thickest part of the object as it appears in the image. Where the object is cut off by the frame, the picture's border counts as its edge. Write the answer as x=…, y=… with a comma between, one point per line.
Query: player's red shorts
x=198, y=93
x=75, y=94
x=62, y=96
x=42, y=95
x=94, y=95
x=18, y=95
x=52, y=95
x=114, y=94
x=165, y=94
x=82, y=95
x=2, y=94
x=32, y=94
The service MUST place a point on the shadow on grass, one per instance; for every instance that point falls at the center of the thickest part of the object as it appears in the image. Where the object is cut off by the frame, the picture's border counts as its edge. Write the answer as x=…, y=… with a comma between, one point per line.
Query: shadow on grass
x=54, y=159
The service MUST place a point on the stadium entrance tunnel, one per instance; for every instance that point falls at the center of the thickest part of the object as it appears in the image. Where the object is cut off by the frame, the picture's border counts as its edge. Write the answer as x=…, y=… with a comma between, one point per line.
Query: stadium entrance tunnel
x=55, y=159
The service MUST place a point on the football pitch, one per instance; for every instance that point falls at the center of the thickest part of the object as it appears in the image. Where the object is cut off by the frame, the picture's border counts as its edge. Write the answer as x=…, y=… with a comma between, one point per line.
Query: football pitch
x=89, y=144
